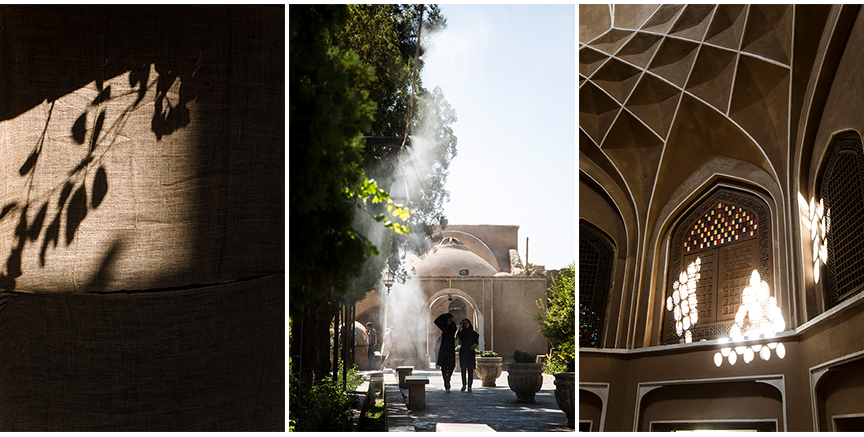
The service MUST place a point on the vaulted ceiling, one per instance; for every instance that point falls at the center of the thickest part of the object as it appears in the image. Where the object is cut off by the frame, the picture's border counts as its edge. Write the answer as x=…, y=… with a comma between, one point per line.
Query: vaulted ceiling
x=666, y=91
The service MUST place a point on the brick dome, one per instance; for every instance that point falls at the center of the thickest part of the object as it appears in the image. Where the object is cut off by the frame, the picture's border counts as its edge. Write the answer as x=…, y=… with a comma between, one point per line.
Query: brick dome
x=452, y=258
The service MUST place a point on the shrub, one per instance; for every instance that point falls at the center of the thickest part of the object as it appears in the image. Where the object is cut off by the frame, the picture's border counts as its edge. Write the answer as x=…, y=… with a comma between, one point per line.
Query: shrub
x=323, y=406
x=555, y=363
x=353, y=378
x=485, y=354
x=557, y=322
x=522, y=357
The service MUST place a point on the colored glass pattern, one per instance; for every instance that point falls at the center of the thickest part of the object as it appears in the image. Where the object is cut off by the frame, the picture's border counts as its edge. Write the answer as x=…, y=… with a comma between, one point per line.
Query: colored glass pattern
x=723, y=224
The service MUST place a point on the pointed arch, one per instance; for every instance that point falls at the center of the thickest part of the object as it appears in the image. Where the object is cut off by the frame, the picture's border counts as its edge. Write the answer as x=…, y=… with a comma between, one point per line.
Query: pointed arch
x=596, y=258
x=715, y=248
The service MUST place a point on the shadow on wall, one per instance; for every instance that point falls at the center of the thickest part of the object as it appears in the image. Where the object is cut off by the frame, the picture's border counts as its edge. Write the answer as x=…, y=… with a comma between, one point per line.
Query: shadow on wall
x=171, y=61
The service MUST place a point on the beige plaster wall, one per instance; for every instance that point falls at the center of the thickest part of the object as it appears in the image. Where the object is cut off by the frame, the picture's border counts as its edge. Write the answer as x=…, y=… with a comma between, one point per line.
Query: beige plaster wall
x=827, y=340
x=712, y=401
x=834, y=338
x=611, y=368
x=625, y=371
x=843, y=114
x=844, y=109
x=595, y=209
x=515, y=300
x=500, y=302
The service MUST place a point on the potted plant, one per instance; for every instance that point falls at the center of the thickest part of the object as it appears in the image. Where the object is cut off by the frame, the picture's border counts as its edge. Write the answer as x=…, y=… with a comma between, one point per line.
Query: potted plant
x=524, y=376
x=565, y=395
x=488, y=367
x=565, y=385
x=557, y=323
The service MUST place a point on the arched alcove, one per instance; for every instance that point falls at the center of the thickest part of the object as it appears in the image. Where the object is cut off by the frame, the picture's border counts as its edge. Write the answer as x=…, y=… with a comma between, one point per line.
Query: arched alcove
x=713, y=250
x=839, y=404
x=596, y=264
x=590, y=411
x=712, y=405
x=439, y=303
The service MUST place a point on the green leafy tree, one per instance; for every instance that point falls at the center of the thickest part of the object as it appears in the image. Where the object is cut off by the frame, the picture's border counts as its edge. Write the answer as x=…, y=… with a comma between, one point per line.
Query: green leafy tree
x=329, y=110
x=385, y=37
x=350, y=76
x=558, y=320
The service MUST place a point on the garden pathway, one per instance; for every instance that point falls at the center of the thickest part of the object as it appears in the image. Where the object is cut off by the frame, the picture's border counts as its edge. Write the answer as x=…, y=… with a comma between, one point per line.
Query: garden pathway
x=493, y=406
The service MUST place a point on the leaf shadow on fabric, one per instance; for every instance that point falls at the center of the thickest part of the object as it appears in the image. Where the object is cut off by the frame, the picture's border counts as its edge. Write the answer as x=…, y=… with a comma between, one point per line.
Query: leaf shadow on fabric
x=170, y=114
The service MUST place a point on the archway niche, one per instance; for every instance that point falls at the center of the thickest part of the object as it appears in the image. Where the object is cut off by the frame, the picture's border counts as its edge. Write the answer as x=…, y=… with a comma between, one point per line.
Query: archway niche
x=838, y=397
x=456, y=302
x=729, y=405
x=590, y=411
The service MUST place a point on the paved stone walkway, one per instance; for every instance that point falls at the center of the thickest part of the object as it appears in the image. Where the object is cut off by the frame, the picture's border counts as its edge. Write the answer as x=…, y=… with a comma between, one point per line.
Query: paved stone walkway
x=493, y=406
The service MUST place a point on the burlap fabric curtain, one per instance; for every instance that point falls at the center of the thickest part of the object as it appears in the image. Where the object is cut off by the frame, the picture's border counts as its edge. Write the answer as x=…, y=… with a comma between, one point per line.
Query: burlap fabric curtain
x=142, y=230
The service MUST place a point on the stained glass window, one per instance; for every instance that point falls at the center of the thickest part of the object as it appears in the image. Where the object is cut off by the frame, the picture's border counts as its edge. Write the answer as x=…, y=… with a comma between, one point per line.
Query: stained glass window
x=723, y=224
x=715, y=249
x=595, y=265
x=842, y=192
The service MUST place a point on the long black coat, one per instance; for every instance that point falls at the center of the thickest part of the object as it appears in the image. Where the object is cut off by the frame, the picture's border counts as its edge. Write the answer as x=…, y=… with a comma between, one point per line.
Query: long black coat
x=447, y=350
x=467, y=338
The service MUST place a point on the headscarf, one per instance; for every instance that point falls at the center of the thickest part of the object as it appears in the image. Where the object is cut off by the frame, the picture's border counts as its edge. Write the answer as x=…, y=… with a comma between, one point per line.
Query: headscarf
x=468, y=334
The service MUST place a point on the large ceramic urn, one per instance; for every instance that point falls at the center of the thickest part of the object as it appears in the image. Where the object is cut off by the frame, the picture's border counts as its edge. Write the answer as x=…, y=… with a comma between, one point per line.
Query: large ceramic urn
x=488, y=369
x=565, y=394
x=525, y=379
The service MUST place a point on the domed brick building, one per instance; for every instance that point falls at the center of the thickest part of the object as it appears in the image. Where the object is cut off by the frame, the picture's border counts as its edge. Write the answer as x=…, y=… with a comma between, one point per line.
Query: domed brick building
x=474, y=272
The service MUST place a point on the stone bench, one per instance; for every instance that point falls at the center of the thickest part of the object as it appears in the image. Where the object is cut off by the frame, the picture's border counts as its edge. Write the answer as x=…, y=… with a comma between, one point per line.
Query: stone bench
x=404, y=371
x=463, y=427
x=376, y=384
x=416, y=391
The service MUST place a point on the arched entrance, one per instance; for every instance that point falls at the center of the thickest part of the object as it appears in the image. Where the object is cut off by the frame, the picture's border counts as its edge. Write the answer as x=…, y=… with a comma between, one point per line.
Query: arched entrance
x=456, y=302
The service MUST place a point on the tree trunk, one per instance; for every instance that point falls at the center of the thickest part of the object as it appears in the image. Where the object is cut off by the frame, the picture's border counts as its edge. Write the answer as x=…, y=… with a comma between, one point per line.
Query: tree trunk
x=314, y=340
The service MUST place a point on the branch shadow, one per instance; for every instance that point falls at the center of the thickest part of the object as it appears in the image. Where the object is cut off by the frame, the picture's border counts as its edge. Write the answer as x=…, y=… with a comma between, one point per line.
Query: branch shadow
x=118, y=46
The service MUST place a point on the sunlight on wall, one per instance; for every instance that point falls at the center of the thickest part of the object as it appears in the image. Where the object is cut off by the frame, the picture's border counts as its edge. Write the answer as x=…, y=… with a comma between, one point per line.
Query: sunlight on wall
x=757, y=317
x=816, y=219
x=682, y=302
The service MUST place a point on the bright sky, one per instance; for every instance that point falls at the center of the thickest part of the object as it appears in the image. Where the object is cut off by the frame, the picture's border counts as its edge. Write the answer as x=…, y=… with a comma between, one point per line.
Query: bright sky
x=509, y=71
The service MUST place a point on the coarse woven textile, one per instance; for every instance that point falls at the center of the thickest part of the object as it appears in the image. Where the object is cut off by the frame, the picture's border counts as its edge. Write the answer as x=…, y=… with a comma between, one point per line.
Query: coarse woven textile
x=143, y=162
x=204, y=359
x=143, y=146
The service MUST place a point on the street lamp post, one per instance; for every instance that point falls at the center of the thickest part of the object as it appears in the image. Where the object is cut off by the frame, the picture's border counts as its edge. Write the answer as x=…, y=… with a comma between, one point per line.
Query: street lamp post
x=388, y=280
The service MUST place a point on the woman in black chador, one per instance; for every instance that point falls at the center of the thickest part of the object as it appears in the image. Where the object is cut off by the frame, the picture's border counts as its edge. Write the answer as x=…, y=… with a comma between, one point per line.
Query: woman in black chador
x=447, y=351
x=469, y=339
